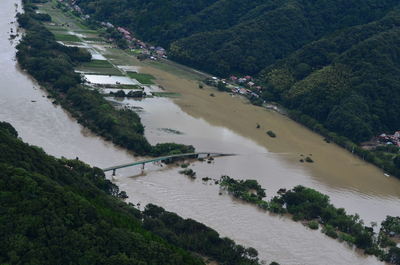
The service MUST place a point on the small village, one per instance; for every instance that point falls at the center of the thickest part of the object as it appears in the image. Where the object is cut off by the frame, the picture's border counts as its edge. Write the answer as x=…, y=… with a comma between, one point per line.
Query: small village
x=244, y=85
x=388, y=139
x=135, y=45
x=383, y=140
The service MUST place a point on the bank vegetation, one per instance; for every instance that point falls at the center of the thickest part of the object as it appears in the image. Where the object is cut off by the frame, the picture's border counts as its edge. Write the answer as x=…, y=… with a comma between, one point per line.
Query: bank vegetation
x=314, y=209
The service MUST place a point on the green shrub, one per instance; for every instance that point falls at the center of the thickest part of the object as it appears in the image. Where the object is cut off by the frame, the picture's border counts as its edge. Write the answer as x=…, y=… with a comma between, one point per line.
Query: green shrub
x=271, y=134
x=346, y=237
x=313, y=225
x=330, y=231
x=309, y=160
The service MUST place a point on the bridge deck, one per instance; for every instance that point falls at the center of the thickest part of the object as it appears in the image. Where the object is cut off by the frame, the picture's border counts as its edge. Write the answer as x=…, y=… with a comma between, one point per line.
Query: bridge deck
x=162, y=158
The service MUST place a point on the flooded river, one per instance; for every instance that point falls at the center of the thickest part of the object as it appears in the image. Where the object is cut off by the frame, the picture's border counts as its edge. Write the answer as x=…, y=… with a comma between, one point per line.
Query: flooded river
x=37, y=120
x=223, y=124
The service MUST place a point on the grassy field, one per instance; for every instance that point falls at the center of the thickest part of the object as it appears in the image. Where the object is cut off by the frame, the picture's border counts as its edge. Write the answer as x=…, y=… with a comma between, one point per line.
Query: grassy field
x=98, y=64
x=63, y=19
x=176, y=69
x=119, y=57
x=57, y=30
x=97, y=39
x=100, y=71
x=145, y=79
x=66, y=37
x=135, y=51
x=130, y=87
x=100, y=67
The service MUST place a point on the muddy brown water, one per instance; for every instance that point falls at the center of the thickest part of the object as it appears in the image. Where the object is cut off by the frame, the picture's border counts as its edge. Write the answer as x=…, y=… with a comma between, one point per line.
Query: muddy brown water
x=37, y=120
x=223, y=124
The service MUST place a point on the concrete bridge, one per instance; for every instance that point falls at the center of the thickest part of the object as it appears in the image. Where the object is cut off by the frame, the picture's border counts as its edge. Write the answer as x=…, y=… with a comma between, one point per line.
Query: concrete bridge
x=168, y=158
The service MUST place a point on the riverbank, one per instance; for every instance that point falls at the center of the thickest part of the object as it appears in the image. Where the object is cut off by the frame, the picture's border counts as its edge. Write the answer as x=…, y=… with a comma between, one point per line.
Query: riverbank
x=242, y=117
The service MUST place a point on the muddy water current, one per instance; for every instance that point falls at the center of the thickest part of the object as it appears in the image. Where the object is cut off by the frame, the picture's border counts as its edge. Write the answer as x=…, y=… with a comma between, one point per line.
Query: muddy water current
x=275, y=237
x=210, y=125
x=37, y=120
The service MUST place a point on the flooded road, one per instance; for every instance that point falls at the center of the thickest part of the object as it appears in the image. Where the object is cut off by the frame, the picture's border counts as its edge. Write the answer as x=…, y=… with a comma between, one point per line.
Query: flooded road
x=221, y=124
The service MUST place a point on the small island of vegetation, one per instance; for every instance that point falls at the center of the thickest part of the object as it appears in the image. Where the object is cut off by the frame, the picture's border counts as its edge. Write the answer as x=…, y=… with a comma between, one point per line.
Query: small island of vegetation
x=314, y=209
x=271, y=134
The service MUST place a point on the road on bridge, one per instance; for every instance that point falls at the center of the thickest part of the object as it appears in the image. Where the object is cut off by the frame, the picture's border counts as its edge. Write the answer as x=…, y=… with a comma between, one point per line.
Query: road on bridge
x=165, y=158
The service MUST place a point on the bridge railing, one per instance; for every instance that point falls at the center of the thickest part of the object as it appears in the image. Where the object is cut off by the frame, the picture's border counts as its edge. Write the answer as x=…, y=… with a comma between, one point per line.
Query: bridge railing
x=163, y=158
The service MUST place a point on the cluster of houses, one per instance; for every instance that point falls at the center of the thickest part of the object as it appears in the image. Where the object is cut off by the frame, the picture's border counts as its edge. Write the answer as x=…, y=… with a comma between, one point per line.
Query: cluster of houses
x=151, y=52
x=393, y=139
x=75, y=7
x=247, y=81
x=244, y=86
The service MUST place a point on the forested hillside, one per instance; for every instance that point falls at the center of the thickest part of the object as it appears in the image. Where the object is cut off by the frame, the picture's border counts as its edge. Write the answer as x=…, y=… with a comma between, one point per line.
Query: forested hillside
x=349, y=81
x=336, y=61
x=237, y=35
x=58, y=211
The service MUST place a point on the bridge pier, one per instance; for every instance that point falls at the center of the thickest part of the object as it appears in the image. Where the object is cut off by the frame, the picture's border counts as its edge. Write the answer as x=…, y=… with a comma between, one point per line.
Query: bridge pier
x=114, y=172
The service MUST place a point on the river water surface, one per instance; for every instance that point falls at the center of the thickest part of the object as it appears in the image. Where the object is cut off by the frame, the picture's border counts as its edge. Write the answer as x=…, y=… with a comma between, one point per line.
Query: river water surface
x=210, y=125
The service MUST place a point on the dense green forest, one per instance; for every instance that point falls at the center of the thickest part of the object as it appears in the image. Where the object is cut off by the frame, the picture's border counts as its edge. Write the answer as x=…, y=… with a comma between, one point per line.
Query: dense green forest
x=335, y=61
x=59, y=211
x=348, y=81
x=52, y=65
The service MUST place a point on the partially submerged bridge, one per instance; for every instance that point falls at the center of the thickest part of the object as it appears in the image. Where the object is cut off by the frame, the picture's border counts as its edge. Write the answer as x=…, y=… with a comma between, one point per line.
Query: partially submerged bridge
x=167, y=159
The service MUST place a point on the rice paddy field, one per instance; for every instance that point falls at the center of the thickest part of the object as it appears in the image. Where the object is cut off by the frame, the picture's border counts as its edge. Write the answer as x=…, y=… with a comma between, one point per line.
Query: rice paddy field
x=145, y=79
x=110, y=67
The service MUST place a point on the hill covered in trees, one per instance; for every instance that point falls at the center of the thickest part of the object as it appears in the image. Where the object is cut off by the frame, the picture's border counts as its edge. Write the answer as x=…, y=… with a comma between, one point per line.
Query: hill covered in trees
x=349, y=81
x=59, y=211
x=335, y=61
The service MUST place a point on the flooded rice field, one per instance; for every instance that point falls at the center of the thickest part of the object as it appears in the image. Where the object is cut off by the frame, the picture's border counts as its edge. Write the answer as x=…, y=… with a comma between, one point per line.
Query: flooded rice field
x=110, y=80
